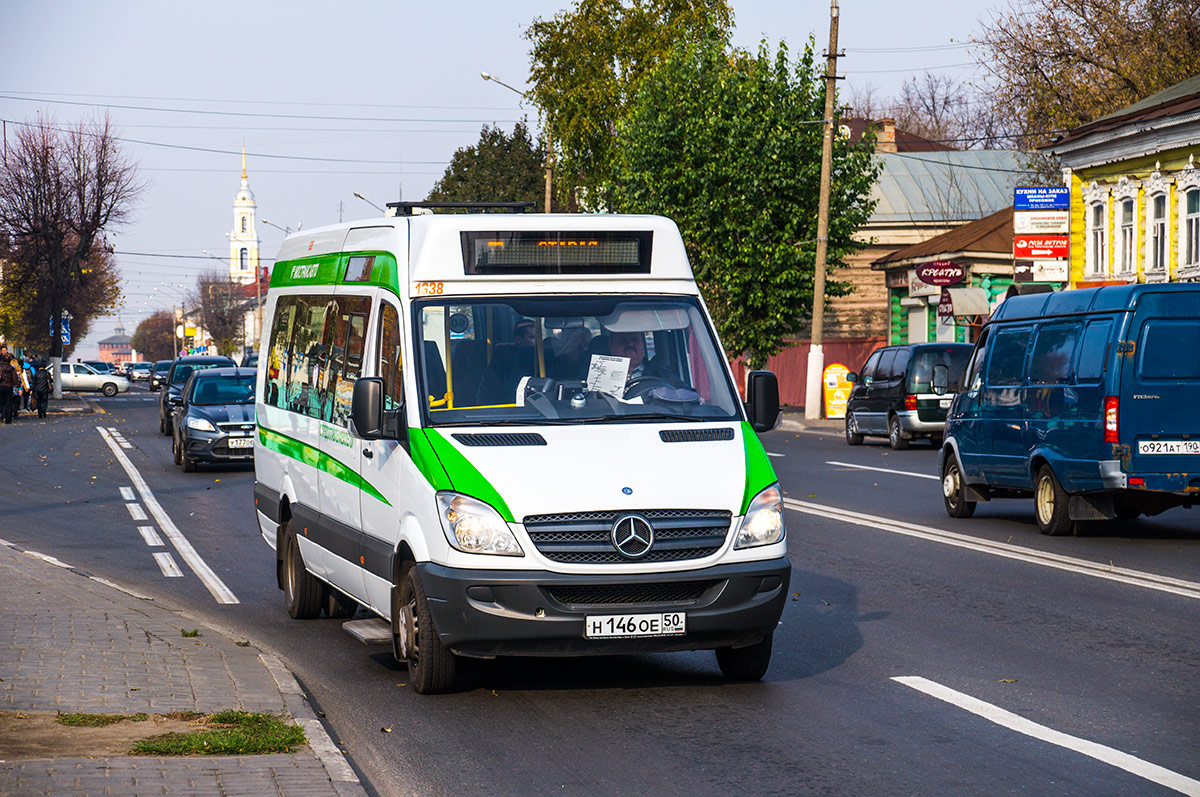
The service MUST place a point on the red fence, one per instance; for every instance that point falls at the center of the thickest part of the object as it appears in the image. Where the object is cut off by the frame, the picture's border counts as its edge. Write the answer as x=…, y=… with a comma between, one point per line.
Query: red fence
x=791, y=364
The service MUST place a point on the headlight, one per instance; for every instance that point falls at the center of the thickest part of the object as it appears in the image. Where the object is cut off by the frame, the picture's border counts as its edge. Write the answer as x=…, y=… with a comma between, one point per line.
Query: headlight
x=763, y=523
x=472, y=526
x=200, y=424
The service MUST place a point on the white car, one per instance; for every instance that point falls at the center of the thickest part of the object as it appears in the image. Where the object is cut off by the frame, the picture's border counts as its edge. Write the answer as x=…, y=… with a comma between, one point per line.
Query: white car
x=80, y=377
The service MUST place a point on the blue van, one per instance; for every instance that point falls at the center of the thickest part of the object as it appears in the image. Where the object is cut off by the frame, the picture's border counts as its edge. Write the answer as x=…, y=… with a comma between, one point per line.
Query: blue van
x=1088, y=400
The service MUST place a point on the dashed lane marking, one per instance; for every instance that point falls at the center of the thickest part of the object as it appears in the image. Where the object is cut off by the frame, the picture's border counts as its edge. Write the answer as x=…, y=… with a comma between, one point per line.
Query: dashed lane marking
x=205, y=573
x=136, y=511
x=773, y=454
x=151, y=536
x=1100, y=752
x=127, y=494
x=883, y=470
x=166, y=563
x=1137, y=578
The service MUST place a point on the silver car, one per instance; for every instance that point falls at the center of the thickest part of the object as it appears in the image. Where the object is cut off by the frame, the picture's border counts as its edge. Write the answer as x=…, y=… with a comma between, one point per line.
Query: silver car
x=80, y=377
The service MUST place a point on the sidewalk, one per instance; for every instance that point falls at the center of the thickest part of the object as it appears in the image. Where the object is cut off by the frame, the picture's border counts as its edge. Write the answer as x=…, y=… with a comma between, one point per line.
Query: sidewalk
x=70, y=642
x=793, y=420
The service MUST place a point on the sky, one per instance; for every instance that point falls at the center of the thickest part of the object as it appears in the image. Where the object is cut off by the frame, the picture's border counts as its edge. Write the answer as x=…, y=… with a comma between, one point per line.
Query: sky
x=334, y=98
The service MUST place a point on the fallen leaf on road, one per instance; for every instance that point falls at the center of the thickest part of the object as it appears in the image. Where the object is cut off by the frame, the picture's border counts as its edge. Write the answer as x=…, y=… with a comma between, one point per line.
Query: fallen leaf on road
x=1008, y=680
x=386, y=729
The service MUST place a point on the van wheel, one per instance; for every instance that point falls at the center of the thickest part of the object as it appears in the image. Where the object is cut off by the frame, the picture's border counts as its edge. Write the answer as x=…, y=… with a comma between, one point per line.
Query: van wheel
x=954, y=490
x=339, y=606
x=431, y=664
x=1050, y=502
x=853, y=438
x=304, y=592
x=109, y=389
x=748, y=663
x=895, y=437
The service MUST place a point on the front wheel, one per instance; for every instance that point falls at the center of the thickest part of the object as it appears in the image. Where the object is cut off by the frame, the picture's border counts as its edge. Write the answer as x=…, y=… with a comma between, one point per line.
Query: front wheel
x=954, y=490
x=176, y=451
x=746, y=664
x=1050, y=501
x=853, y=436
x=304, y=592
x=431, y=665
x=895, y=436
x=162, y=425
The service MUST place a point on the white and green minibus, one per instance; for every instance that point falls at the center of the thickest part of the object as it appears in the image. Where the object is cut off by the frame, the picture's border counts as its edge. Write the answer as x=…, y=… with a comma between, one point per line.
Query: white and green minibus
x=514, y=434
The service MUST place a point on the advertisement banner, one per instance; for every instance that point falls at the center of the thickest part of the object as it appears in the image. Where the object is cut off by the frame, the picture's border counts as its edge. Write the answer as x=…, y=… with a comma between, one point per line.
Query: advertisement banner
x=836, y=389
x=916, y=287
x=1041, y=222
x=1041, y=198
x=1041, y=247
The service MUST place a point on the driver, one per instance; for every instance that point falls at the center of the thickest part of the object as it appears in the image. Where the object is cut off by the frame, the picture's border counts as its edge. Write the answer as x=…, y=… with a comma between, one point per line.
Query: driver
x=632, y=346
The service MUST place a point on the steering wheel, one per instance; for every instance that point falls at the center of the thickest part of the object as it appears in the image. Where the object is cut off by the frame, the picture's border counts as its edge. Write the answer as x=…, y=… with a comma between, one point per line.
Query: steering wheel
x=641, y=385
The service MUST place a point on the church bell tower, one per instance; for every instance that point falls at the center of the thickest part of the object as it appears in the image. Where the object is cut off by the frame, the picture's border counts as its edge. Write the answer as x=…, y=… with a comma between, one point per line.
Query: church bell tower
x=243, y=241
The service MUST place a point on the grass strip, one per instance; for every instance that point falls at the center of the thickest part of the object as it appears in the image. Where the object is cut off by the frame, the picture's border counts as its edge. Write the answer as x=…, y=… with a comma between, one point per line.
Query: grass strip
x=97, y=720
x=227, y=733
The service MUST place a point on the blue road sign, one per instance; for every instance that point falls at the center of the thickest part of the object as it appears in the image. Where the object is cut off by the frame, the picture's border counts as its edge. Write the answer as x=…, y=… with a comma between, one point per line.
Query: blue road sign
x=1041, y=198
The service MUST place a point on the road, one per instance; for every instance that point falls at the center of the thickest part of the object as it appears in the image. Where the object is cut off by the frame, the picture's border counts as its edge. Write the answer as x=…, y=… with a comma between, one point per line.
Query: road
x=1015, y=655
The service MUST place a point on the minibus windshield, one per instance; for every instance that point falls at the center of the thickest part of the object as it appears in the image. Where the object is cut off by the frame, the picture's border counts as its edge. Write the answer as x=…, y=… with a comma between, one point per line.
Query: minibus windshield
x=569, y=359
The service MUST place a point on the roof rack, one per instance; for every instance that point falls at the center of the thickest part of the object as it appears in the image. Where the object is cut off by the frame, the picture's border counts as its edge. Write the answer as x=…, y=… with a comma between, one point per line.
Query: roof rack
x=406, y=208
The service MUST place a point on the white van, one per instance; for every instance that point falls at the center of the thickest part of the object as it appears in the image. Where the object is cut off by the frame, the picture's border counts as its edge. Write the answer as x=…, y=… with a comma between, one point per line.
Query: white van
x=511, y=434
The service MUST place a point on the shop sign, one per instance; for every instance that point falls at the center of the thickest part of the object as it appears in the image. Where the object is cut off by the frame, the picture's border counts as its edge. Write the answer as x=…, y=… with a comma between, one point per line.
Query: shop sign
x=836, y=389
x=945, y=306
x=1040, y=247
x=1041, y=198
x=941, y=272
x=1041, y=222
x=916, y=287
x=1040, y=271
x=896, y=279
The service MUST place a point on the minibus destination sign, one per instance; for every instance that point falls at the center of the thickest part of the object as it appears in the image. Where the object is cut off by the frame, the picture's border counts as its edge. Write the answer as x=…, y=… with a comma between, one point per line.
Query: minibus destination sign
x=603, y=252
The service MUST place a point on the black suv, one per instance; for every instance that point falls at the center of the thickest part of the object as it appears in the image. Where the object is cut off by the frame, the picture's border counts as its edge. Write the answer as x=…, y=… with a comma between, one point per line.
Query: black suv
x=892, y=396
x=181, y=369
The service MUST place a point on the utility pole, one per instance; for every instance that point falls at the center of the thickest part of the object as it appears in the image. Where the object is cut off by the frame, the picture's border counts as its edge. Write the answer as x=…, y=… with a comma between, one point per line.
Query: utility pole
x=816, y=354
x=549, y=163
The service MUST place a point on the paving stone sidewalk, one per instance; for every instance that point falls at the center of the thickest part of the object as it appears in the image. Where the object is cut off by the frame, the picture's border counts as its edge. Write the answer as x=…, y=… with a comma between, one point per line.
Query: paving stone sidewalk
x=71, y=643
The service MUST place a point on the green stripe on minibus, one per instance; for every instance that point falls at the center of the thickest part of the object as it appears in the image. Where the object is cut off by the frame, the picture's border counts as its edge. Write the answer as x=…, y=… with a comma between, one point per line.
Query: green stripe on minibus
x=759, y=473
x=315, y=457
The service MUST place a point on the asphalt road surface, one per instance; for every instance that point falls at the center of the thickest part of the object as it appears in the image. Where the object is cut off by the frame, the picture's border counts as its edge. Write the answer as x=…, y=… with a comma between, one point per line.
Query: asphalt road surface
x=1026, y=664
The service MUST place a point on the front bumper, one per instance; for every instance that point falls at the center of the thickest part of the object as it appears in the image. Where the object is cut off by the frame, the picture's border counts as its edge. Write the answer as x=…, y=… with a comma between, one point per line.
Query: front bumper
x=496, y=612
x=214, y=447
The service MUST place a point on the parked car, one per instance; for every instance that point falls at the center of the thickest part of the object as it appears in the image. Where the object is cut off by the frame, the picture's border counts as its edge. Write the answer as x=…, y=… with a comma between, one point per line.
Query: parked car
x=215, y=419
x=172, y=386
x=1084, y=399
x=158, y=374
x=250, y=361
x=140, y=371
x=81, y=377
x=892, y=396
x=99, y=366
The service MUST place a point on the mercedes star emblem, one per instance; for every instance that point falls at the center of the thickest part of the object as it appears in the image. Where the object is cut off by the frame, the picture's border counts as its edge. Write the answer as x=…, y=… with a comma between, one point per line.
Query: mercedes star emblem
x=632, y=536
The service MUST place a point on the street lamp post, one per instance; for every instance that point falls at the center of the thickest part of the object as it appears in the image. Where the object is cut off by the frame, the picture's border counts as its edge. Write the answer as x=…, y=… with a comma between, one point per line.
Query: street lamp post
x=549, y=142
x=286, y=230
x=369, y=202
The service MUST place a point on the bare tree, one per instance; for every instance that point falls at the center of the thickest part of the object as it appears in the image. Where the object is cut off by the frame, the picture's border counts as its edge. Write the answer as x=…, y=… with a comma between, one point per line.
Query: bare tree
x=61, y=191
x=864, y=102
x=222, y=309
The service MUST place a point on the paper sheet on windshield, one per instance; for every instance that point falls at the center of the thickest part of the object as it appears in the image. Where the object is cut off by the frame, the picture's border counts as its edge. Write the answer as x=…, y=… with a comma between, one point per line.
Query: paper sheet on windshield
x=607, y=374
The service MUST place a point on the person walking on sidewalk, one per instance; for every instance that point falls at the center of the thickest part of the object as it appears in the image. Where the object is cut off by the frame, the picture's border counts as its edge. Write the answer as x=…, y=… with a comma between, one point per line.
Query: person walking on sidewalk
x=43, y=384
x=23, y=374
x=9, y=387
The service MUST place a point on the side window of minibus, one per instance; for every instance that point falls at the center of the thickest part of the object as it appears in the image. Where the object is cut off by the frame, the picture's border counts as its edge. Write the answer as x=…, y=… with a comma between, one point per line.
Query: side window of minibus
x=307, y=356
x=1093, y=351
x=391, y=358
x=345, y=356
x=1052, y=354
x=1007, y=363
x=274, y=386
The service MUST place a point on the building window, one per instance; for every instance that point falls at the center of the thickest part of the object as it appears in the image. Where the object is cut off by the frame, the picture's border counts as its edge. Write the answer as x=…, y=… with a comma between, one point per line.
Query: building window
x=244, y=259
x=1097, y=232
x=1157, y=237
x=243, y=223
x=1127, y=239
x=1191, y=228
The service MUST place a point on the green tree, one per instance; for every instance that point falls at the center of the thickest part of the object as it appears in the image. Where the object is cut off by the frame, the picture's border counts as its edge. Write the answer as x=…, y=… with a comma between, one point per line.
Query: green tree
x=497, y=168
x=154, y=337
x=728, y=144
x=586, y=62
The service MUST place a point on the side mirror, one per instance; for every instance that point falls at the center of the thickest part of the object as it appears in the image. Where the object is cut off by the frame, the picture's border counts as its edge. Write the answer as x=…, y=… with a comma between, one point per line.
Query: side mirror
x=762, y=400
x=366, y=407
x=941, y=380
x=851, y=377
x=176, y=400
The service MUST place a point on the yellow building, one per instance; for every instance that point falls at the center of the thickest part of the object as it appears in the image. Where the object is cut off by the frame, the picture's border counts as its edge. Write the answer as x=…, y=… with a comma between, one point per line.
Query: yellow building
x=1135, y=191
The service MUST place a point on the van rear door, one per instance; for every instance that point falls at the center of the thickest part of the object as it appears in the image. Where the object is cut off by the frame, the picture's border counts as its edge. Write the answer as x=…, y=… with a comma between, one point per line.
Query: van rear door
x=1160, y=389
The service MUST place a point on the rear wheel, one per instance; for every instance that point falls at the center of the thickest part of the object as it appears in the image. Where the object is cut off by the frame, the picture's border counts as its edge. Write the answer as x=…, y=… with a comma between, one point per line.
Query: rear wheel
x=954, y=489
x=162, y=424
x=1050, y=502
x=304, y=592
x=431, y=665
x=109, y=389
x=748, y=663
x=895, y=436
x=853, y=437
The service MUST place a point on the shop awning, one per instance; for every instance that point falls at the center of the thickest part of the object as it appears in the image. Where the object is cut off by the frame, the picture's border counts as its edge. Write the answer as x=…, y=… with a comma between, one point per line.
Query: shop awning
x=968, y=301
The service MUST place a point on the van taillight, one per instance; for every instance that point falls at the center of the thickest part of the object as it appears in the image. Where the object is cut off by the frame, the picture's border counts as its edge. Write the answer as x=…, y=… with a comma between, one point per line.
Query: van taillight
x=910, y=402
x=1110, y=420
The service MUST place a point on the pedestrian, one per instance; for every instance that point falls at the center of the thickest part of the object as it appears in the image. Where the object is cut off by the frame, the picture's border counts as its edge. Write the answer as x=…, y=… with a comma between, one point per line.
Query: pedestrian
x=9, y=387
x=43, y=384
x=26, y=385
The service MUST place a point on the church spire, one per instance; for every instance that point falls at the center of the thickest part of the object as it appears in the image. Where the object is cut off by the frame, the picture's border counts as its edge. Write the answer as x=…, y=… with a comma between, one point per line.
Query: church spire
x=243, y=160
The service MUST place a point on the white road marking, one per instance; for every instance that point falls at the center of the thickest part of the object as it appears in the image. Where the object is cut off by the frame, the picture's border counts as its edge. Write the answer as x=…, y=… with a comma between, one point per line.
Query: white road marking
x=883, y=470
x=1014, y=722
x=136, y=511
x=205, y=573
x=127, y=494
x=167, y=565
x=1137, y=578
x=151, y=536
x=773, y=454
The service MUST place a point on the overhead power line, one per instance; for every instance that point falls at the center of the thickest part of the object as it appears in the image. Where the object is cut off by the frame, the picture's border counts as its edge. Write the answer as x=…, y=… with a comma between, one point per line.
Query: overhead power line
x=226, y=100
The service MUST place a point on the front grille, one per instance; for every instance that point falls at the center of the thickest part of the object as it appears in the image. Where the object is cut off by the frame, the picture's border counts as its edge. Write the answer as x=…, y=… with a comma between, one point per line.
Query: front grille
x=680, y=592
x=236, y=427
x=584, y=537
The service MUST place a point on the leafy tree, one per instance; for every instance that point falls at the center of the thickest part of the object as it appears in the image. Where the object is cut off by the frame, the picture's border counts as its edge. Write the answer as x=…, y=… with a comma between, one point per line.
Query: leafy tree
x=61, y=191
x=497, y=168
x=728, y=144
x=222, y=310
x=154, y=337
x=1059, y=64
x=586, y=62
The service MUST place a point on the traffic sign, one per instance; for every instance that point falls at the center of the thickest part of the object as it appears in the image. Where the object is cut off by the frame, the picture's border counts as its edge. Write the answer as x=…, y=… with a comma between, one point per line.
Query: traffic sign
x=1041, y=198
x=66, y=330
